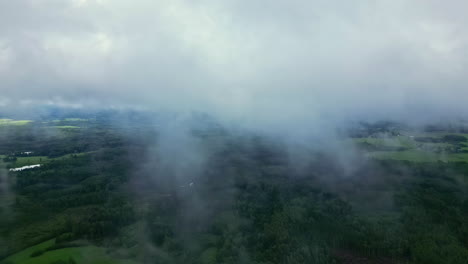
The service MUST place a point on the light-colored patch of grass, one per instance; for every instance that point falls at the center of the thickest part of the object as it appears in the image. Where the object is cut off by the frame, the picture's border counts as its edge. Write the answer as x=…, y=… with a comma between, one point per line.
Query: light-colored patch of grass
x=458, y=157
x=11, y=122
x=409, y=155
x=30, y=160
x=437, y=134
x=67, y=127
x=24, y=255
x=82, y=255
x=76, y=119
x=433, y=145
x=67, y=156
x=465, y=146
x=441, y=134
x=419, y=156
x=398, y=141
x=70, y=120
x=417, y=151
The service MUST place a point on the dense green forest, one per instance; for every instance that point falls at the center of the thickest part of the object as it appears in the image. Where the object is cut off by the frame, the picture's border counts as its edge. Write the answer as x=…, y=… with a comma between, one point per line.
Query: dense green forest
x=114, y=191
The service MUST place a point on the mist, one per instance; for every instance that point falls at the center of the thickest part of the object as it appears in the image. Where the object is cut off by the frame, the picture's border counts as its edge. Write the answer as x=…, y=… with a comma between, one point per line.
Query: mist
x=238, y=119
x=281, y=64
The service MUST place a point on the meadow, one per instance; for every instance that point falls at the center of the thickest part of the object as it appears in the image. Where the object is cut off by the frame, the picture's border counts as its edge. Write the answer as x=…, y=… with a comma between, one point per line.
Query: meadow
x=70, y=255
x=408, y=148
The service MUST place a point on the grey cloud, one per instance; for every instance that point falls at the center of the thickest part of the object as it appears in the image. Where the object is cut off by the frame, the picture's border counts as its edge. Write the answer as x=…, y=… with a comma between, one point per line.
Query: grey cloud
x=273, y=62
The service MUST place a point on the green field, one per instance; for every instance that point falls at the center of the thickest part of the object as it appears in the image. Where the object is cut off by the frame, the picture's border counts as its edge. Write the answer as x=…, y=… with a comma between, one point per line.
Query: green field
x=67, y=127
x=415, y=155
x=11, y=122
x=32, y=160
x=76, y=119
x=81, y=255
x=399, y=141
x=416, y=151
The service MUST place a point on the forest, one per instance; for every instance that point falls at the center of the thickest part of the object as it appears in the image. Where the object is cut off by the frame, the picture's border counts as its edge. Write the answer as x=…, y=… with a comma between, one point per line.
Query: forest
x=109, y=191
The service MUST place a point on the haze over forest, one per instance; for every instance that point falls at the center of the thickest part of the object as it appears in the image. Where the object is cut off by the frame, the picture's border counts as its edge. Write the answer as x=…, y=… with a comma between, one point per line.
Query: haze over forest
x=233, y=131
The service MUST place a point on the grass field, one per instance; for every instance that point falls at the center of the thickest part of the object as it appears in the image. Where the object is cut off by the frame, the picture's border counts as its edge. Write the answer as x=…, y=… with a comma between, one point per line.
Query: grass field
x=32, y=160
x=416, y=151
x=67, y=127
x=465, y=146
x=76, y=119
x=11, y=122
x=409, y=155
x=71, y=120
x=399, y=141
x=81, y=255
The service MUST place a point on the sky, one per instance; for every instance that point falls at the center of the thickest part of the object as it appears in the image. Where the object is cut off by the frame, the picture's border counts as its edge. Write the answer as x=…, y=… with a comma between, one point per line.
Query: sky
x=262, y=61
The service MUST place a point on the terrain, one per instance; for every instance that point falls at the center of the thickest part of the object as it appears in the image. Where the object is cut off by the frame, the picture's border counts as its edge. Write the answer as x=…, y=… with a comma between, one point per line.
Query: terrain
x=117, y=187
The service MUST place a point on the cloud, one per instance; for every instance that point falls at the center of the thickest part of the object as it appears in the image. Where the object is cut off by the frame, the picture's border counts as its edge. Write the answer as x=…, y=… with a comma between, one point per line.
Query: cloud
x=259, y=61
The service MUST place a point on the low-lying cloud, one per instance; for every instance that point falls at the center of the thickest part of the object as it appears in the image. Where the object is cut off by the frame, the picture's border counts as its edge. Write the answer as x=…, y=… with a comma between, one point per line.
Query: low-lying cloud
x=269, y=62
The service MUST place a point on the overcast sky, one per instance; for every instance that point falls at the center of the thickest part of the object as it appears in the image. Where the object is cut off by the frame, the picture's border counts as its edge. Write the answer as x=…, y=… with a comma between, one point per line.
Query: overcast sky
x=247, y=59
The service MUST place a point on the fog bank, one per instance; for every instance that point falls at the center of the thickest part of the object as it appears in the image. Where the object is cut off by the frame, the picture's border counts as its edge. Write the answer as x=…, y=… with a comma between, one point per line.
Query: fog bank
x=263, y=63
